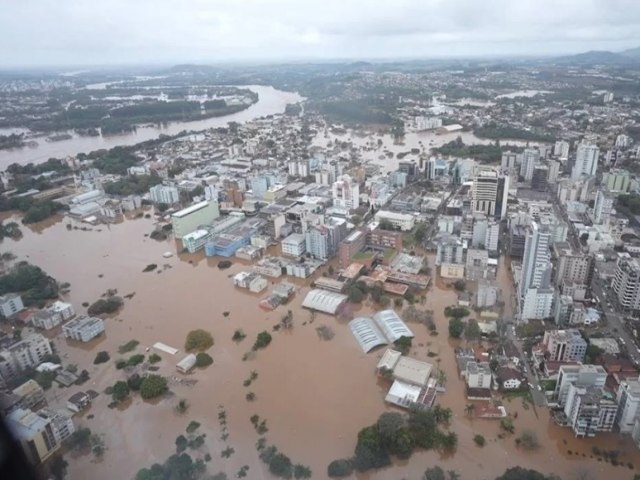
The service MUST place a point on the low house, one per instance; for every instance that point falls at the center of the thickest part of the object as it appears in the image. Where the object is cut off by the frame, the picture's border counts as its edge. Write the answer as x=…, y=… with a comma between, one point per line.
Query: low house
x=251, y=281
x=78, y=402
x=186, y=364
x=509, y=378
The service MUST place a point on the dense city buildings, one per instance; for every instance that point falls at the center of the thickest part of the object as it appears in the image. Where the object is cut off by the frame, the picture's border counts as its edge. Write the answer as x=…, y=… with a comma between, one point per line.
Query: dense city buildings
x=470, y=200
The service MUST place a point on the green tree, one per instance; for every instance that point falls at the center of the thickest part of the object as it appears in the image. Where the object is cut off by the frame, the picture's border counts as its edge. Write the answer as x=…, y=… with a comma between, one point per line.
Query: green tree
x=203, y=359
x=403, y=344
x=460, y=285
x=456, y=327
x=199, y=340
x=506, y=424
x=472, y=331
x=280, y=465
x=153, y=386
x=355, y=295
x=181, y=443
x=434, y=473
x=593, y=352
x=528, y=440
x=154, y=358
x=456, y=312
x=80, y=439
x=479, y=440
x=301, y=471
x=134, y=382
x=519, y=473
x=370, y=452
x=423, y=427
x=494, y=364
x=449, y=441
x=101, y=357
x=420, y=232
x=120, y=391
x=262, y=340
x=340, y=468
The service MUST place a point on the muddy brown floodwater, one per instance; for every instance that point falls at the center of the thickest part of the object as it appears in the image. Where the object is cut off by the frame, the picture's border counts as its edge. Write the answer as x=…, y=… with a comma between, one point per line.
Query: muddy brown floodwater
x=315, y=395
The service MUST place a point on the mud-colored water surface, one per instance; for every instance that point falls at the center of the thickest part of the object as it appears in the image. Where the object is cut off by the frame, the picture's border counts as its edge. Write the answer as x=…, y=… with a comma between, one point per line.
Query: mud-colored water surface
x=315, y=394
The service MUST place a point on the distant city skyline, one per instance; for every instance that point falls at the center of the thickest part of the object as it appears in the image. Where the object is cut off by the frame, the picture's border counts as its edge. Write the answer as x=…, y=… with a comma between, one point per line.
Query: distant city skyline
x=117, y=32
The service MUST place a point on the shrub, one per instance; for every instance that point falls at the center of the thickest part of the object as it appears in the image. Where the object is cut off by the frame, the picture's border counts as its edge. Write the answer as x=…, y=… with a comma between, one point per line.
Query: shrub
x=203, y=360
x=528, y=440
x=193, y=426
x=479, y=440
x=134, y=382
x=181, y=443
x=224, y=264
x=101, y=357
x=456, y=327
x=150, y=268
x=198, y=340
x=262, y=341
x=340, y=468
x=182, y=407
x=301, y=471
x=154, y=358
x=238, y=336
x=121, y=363
x=153, y=386
x=134, y=360
x=108, y=305
x=120, y=391
x=280, y=465
x=130, y=346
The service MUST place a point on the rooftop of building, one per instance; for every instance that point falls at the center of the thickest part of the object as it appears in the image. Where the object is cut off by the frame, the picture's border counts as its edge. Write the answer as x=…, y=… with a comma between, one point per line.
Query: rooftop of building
x=191, y=209
x=25, y=424
x=195, y=235
x=83, y=321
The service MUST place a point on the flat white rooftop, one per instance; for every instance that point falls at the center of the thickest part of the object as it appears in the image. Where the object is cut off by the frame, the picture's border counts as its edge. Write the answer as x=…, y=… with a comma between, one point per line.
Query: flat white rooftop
x=191, y=209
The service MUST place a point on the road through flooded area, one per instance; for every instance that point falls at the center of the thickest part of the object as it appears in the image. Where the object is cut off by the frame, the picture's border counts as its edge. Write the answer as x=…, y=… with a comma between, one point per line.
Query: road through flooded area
x=315, y=395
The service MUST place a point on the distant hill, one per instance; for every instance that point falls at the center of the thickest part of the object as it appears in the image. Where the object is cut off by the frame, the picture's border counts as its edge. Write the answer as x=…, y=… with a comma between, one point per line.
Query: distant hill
x=632, y=53
x=601, y=57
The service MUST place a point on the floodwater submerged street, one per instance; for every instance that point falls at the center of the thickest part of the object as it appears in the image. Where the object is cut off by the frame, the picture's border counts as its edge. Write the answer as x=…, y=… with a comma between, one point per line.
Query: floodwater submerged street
x=315, y=395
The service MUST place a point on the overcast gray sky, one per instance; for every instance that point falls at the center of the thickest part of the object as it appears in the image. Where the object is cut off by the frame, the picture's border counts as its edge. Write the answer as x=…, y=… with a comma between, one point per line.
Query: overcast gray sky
x=93, y=32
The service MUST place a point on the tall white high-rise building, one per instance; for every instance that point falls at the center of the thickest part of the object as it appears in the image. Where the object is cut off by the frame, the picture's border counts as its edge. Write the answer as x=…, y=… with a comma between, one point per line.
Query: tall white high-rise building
x=626, y=282
x=536, y=264
x=164, y=194
x=346, y=193
x=602, y=207
x=561, y=150
x=554, y=171
x=530, y=157
x=534, y=293
x=490, y=192
x=628, y=397
x=586, y=161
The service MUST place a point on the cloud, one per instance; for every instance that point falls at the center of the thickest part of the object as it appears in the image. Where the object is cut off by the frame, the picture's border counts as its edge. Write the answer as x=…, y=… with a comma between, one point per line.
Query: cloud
x=34, y=32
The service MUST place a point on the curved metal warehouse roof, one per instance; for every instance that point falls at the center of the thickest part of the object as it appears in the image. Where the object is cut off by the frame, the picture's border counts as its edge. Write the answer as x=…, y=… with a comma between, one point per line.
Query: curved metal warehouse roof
x=324, y=301
x=367, y=333
x=392, y=325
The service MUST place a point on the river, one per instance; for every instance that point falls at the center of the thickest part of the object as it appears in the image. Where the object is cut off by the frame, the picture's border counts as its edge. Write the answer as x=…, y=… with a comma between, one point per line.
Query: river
x=270, y=102
x=315, y=395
